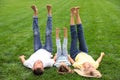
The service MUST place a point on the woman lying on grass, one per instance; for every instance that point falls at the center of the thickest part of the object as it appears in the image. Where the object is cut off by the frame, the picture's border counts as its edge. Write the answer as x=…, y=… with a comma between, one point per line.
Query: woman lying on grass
x=62, y=59
x=85, y=65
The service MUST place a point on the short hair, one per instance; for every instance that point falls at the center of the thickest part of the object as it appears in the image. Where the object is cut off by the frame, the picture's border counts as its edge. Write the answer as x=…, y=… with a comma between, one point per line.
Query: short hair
x=38, y=71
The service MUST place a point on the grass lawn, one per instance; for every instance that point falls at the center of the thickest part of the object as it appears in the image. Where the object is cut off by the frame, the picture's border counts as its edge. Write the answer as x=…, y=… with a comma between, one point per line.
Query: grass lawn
x=101, y=21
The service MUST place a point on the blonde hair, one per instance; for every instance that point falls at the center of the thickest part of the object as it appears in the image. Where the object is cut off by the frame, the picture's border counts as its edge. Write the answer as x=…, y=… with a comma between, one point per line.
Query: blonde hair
x=94, y=73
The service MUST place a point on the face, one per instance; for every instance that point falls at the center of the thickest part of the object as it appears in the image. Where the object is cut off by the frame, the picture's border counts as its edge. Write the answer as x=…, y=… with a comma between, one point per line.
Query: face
x=63, y=67
x=87, y=66
x=38, y=64
x=63, y=64
x=90, y=70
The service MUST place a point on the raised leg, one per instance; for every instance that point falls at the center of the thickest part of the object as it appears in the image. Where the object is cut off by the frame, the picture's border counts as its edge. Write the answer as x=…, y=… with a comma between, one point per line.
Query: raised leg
x=48, y=41
x=82, y=42
x=64, y=48
x=73, y=48
x=58, y=44
x=36, y=33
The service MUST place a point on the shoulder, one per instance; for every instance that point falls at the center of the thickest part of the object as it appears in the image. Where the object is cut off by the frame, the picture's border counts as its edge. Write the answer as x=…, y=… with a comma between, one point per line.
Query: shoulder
x=28, y=64
x=49, y=63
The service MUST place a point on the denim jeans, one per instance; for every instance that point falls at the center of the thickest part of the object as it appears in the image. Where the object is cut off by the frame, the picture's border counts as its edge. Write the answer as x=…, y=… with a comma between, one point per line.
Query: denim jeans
x=77, y=36
x=63, y=51
x=37, y=40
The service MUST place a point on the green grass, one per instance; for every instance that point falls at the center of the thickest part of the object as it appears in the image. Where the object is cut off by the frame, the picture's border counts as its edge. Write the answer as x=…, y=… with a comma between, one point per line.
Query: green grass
x=101, y=21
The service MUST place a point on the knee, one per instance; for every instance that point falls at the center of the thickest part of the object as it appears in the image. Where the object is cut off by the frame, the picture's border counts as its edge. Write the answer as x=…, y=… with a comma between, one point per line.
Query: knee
x=48, y=33
x=36, y=33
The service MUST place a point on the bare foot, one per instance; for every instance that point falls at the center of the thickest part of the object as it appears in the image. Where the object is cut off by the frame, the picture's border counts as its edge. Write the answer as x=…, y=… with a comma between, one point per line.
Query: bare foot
x=49, y=9
x=77, y=10
x=73, y=11
x=65, y=32
x=57, y=33
x=35, y=10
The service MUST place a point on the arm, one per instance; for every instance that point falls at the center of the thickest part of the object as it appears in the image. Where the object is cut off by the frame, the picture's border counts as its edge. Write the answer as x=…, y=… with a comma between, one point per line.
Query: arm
x=70, y=59
x=100, y=58
x=22, y=58
x=55, y=57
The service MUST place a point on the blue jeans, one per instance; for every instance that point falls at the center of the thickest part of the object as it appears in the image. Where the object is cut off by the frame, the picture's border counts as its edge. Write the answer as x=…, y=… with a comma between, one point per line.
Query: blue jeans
x=63, y=51
x=77, y=35
x=48, y=40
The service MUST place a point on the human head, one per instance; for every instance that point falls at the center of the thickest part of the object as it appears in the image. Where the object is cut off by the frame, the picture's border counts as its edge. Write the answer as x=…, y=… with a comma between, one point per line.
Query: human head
x=90, y=70
x=87, y=66
x=64, y=69
x=93, y=73
x=38, y=68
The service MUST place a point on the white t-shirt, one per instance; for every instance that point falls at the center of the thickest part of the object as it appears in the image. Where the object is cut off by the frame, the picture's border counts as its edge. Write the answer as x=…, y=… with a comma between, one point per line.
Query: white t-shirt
x=42, y=55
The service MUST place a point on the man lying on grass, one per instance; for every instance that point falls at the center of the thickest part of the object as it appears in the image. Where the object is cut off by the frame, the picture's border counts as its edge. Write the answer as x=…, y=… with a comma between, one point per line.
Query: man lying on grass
x=42, y=55
x=85, y=65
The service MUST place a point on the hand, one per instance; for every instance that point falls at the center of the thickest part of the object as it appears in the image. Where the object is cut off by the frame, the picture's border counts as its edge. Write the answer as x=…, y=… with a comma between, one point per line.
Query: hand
x=102, y=53
x=22, y=56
